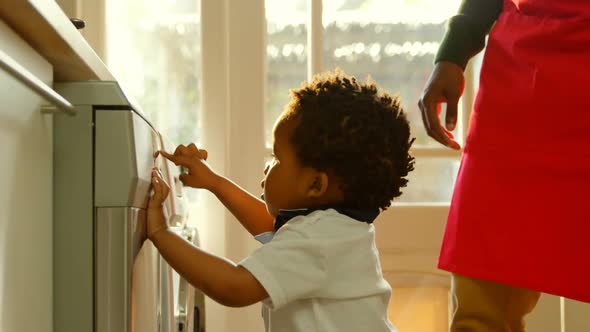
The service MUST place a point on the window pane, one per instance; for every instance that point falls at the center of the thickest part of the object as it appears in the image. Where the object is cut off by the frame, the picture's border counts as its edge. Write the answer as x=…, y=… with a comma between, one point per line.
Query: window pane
x=153, y=48
x=393, y=41
x=431, y=181
x=154, y=51
x=286, y=52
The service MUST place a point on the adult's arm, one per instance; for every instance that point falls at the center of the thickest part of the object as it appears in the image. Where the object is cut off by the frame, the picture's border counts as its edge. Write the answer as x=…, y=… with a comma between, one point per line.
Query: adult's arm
x=464, y=38
x=466, y=31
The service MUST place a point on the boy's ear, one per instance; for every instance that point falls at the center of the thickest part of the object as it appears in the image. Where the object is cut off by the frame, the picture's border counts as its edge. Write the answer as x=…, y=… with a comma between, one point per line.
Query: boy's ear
x=318, y=185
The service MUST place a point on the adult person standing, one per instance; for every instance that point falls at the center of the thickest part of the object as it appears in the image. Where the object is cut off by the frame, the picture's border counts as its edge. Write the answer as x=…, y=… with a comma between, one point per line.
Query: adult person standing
x=519, y=221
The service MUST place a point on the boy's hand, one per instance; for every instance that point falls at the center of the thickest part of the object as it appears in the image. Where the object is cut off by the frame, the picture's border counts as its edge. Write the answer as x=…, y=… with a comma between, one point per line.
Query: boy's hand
x=156, y=220
x=199, y=174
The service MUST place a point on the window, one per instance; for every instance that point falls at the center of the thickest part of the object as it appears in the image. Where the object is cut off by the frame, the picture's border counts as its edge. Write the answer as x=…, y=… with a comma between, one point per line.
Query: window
x=153, y=49
x=286, y=52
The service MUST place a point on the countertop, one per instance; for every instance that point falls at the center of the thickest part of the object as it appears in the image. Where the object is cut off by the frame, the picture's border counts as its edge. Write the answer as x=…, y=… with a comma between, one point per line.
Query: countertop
x=43, y=25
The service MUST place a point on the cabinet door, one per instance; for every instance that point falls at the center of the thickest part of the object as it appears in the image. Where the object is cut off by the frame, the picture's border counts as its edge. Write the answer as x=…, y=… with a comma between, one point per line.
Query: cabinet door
x=26, y=194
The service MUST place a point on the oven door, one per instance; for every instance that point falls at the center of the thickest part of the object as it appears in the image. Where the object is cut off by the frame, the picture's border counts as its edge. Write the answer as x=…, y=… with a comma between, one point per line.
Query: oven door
x=136, y=289
x=133, y=284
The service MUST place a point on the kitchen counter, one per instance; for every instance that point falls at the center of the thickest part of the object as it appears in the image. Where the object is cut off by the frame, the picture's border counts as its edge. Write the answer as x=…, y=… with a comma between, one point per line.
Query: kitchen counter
x=45, y=27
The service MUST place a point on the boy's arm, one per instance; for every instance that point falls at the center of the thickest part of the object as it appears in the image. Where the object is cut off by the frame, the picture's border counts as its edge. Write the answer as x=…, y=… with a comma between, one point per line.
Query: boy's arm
x=218, y=278
x=249, y=210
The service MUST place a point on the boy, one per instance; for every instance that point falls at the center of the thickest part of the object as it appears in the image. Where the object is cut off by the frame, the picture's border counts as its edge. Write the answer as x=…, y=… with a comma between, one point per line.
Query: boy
x=340, y=155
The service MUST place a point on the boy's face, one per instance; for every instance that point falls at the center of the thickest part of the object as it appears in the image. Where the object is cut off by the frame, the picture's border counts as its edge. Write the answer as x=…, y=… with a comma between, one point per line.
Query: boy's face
x=284, y=183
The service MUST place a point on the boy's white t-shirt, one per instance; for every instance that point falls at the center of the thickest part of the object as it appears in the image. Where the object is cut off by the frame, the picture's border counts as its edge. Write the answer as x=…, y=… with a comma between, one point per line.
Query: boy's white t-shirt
x=322, y=274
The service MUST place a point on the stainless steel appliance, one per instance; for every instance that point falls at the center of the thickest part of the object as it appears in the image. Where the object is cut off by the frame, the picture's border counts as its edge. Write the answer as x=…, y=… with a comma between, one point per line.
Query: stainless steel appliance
x=107, y=277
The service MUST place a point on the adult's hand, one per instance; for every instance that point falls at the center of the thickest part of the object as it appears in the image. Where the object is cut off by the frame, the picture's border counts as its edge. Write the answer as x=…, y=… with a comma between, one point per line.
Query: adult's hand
x=445, y=85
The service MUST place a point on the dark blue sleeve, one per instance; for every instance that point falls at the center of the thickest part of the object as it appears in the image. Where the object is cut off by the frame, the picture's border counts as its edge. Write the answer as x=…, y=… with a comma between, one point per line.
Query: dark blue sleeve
x=466, y=31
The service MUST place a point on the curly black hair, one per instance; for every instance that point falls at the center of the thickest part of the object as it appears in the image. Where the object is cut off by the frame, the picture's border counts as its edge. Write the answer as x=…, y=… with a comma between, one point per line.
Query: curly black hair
x=357, y=132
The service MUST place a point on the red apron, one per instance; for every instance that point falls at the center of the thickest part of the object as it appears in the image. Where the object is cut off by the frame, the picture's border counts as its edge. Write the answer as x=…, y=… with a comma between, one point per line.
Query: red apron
x=520, y=213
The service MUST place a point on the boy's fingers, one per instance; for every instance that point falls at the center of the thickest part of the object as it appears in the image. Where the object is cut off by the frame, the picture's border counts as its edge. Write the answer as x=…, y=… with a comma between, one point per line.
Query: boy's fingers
x=184, y=161
x=172, y=157
x=180, y=150
x=166, y=154
x=154, y=197
x=192, y=148
x=203, y=154
x=159, y=189
x=184, y=157
x=158, y=184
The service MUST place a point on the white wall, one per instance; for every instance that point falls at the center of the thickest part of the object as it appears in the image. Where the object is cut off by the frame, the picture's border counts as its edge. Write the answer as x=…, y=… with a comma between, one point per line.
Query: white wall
x=25, y=196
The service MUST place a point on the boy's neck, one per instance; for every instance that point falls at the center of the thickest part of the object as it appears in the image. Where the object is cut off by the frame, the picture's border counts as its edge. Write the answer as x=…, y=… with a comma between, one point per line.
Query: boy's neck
x=362, y=215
